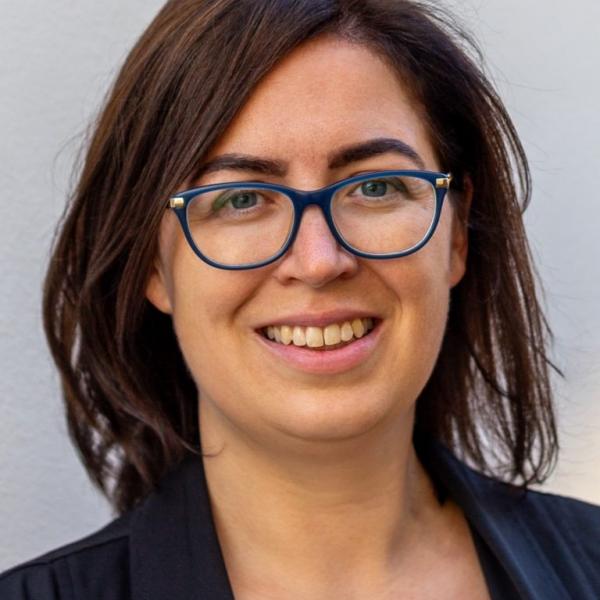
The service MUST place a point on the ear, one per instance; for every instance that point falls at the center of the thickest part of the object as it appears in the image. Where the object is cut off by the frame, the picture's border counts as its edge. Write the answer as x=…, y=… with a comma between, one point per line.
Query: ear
x=460, y=236
x=157, y=290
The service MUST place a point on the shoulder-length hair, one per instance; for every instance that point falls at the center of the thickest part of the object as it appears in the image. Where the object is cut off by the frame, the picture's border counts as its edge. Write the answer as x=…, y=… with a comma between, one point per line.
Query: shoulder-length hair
x=131, y=404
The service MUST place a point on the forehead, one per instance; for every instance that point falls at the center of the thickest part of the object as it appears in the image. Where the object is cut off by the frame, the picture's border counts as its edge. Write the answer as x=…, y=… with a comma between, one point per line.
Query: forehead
x=328, y=93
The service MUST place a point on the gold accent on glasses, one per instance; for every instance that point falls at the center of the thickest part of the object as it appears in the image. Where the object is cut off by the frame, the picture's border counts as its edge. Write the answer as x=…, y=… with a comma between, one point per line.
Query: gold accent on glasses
x=443, y=182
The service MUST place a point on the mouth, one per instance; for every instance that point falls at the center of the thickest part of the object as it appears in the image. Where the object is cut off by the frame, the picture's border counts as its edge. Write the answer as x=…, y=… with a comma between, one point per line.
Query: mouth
x=331, y=337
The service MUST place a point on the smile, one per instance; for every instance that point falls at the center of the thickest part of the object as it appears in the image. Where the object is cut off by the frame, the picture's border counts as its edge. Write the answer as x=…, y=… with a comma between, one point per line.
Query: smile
x=335, y=348
x=331, y=337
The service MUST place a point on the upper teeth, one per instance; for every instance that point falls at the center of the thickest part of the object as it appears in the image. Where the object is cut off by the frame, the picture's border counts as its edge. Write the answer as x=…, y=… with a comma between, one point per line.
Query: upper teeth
x=315, y=337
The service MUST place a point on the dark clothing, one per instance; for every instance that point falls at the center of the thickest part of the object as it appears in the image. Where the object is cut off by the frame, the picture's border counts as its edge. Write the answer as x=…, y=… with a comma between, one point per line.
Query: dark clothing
x=532, y=545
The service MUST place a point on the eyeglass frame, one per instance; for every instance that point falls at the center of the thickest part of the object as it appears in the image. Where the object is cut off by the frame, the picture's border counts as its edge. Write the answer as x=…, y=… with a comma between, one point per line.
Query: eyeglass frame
x=301, y=199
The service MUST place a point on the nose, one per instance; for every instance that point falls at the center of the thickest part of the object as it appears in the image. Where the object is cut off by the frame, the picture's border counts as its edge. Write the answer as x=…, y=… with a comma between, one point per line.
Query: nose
x=315, y=257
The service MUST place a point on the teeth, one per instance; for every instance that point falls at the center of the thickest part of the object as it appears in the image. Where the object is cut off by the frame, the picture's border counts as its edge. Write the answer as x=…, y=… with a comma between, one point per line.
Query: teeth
x=299, y=337
x=314, y=337
x=347, y=332
x=358, y=328
x=332, y=334
x=317, y=337
x=286, y=335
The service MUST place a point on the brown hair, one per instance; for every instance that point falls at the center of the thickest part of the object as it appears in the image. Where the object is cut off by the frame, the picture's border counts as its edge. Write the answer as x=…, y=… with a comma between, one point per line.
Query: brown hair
x=131, y=404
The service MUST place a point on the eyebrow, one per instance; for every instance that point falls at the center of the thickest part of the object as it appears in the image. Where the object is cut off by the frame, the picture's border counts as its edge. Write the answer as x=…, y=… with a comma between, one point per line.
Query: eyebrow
x=340, y=158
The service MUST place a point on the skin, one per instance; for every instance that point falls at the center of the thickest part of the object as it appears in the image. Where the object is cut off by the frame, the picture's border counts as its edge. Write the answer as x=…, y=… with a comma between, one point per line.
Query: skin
x=351, y=511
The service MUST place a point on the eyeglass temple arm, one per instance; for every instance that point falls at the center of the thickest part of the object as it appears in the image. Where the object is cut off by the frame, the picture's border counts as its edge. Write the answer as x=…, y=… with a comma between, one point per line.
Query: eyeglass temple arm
x=443, y=182
x=176, y=202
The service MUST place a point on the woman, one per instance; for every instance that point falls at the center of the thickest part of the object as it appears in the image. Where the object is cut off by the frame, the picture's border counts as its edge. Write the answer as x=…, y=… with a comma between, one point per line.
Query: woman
x=292, y=284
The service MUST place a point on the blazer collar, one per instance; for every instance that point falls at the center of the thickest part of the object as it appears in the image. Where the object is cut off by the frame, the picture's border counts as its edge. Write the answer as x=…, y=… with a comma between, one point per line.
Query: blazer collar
x=175, y=552
x=497, y=512
x=174, y=548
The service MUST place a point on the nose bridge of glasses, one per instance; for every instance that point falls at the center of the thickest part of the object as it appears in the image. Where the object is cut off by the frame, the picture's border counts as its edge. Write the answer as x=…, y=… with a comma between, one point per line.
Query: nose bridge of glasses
x=319, y=198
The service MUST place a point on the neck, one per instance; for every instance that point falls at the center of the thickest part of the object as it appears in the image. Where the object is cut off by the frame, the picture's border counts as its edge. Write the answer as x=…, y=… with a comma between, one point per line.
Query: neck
x=324, y=512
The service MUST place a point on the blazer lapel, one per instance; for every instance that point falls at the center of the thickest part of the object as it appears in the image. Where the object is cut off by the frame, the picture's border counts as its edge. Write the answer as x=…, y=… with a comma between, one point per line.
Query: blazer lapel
x=174, y=549
x=492, y=508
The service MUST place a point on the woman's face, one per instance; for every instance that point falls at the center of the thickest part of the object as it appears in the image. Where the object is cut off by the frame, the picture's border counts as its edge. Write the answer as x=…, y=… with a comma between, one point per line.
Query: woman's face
x=327, y=95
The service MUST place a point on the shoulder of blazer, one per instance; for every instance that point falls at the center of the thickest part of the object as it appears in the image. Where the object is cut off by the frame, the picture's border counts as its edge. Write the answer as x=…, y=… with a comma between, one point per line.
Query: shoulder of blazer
x=548, y=515
x=164, y=547
x=548, y=544
x=559, y=522
x=559, y=534
x=56, y=574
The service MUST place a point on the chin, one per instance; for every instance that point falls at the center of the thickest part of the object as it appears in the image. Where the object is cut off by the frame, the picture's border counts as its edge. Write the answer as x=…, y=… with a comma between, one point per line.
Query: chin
x=330, y=416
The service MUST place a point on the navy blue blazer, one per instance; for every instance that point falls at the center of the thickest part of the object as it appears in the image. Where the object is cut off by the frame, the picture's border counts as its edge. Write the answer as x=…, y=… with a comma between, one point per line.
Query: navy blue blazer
x=532, y=545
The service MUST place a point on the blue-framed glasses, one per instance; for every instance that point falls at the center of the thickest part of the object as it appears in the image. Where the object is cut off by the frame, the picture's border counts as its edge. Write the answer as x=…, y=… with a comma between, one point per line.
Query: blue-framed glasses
x=377, y=215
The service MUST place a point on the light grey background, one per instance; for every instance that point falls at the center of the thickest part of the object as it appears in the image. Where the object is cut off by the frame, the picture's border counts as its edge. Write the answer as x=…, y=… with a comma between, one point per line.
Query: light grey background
x=58, y=59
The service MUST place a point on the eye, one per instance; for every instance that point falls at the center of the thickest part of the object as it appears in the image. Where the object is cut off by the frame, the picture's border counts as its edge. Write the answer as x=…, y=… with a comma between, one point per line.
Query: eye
x=379, y=188
x=374, y=188
x=237, y=199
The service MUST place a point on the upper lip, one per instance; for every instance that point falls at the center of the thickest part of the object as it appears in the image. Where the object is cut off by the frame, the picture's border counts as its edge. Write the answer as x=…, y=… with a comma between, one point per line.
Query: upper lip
x=320, y=319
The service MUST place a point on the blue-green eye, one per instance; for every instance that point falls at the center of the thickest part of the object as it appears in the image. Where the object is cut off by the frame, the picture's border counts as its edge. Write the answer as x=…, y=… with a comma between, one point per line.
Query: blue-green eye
x=244, y=200
x=374, y=188
x=238, y=200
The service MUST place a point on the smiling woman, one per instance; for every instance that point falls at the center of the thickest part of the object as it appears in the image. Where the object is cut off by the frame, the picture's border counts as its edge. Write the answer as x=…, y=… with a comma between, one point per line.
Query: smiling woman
x=291, y=294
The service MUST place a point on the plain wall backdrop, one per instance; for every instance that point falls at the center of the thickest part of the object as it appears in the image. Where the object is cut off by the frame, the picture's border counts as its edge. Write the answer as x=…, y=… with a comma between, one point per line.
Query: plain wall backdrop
x=57, y=59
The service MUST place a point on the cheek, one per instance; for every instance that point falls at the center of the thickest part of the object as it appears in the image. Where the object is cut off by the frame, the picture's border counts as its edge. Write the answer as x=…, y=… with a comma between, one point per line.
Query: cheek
x=422, y=280
x=427, y=312
x=207, y=304
x=422, y=295
x=421, y=289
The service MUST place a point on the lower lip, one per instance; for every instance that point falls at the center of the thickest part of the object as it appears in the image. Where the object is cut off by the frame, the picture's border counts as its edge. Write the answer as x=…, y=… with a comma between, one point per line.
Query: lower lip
x=325, y=362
